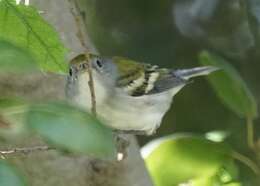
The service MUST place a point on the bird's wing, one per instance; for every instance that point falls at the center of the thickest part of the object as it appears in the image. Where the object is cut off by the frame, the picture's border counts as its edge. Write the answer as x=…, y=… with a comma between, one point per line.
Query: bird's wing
x=145, y=79
x=166, y=80
x=138, y=79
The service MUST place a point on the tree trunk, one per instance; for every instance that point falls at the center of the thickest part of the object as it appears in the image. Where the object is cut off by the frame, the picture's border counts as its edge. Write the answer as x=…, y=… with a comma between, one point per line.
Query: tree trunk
x=54, y=168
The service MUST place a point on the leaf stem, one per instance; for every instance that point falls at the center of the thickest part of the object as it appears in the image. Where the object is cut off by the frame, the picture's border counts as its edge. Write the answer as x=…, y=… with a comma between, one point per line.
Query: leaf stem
x=81, y=38
x=91, y=86
x=250, y=132
x=248, y=162
x=24, y=150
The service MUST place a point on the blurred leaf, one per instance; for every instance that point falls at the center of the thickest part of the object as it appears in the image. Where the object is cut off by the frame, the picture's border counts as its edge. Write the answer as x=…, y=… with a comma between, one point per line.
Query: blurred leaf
x=188, y=159
x=9, y=176
x=15, y=59
x=12, y=117
x=230, y=87
x=69, y=128
x=217, y=136
x=254, y=7
x=23, y=26
x=217, y=24
x=10, y=102
x=190, y=16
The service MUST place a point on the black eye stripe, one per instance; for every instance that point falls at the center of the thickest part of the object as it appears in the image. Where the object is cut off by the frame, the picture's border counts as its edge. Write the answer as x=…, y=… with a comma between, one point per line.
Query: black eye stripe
x=99, y=64
x=70, y=72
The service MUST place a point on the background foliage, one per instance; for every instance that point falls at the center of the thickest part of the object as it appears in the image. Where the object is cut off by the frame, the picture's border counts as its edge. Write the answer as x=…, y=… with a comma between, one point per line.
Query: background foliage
x=176, y=34
x=170, y=33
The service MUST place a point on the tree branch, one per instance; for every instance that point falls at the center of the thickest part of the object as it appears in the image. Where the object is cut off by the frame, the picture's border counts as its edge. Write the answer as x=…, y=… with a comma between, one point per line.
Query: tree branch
x=81, y=38
x=24, y=150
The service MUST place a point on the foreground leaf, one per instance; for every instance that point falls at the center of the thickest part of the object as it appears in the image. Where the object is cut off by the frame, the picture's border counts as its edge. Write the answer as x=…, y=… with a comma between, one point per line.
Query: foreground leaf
x=15, y=59
x=9, y=176
x=12, y=118
x=230, y=87
x=71, y=129
x=23, y=26
x=174, y=160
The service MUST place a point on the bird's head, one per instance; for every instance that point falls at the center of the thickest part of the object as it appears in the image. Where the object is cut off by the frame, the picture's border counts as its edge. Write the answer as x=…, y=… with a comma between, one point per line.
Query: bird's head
x=131, y=77
x=116, y=71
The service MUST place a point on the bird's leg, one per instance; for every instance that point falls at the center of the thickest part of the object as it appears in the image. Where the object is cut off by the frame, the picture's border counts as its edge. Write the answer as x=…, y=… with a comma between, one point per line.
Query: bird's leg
x=122, y=140
x=122, y=144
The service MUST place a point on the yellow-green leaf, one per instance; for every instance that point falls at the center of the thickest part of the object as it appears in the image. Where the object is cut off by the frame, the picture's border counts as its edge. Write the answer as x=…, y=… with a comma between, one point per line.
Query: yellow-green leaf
x=229, y=86
x=23, y=26
x=175, y=160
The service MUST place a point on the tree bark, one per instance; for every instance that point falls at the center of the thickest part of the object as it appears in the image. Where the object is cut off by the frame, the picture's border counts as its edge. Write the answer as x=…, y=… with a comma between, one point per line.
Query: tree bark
x=52, y=168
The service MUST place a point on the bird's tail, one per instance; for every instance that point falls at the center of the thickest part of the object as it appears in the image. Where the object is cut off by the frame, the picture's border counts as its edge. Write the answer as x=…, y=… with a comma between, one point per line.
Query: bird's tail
x=193, y=72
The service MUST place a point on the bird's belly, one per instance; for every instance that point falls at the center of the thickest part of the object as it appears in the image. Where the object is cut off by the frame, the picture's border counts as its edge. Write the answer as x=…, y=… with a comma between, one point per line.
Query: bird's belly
x=135, y=113
x=124, y=112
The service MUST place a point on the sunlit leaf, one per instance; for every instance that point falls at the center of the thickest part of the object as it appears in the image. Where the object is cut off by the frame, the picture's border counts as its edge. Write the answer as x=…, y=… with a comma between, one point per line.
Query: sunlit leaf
x=230, y=87
x=23, y=26
x=9, y=176
x=71, y=129
x=217, y=136
x=15, y=59
x=185, y=159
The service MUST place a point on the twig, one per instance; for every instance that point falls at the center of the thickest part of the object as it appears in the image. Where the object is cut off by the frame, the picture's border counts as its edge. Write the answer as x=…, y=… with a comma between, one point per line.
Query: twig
x=24, y=150
x=246, y=161
x=91, y=86
x=81, y=37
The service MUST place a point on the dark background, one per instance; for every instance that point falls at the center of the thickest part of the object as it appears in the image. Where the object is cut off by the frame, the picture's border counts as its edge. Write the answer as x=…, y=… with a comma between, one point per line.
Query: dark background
x=172, y=33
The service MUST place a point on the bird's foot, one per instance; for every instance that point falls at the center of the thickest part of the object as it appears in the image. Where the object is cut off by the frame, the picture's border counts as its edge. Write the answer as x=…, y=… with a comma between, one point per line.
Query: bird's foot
x=122, y=144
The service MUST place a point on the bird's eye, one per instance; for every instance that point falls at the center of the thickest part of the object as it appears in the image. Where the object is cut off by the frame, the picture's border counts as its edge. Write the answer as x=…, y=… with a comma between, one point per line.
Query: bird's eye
x=70, y=72
x=99, y=63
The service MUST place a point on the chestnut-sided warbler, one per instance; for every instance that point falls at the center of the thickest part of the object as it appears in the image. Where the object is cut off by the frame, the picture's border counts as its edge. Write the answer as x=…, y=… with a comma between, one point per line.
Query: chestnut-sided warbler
x=130, y=96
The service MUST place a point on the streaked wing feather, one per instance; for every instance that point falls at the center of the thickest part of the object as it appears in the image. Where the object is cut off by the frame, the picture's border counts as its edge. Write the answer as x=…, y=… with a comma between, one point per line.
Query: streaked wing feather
x=152, y=80
x=165, y=83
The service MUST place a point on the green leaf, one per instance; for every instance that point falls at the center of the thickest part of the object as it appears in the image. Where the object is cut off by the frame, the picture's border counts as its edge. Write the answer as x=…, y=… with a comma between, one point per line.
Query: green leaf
x=173, y=160
x=15, y=59
x=9, y=176
x=72, y=129
x=23, y=26
x=230, y=87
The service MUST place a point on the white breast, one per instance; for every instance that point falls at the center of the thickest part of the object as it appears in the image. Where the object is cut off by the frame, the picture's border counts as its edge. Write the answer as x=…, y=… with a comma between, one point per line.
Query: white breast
x=136, y=113
x=124, y=112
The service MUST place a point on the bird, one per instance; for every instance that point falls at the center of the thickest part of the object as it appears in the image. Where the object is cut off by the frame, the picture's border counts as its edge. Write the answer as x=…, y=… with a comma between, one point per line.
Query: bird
x=130, y=96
